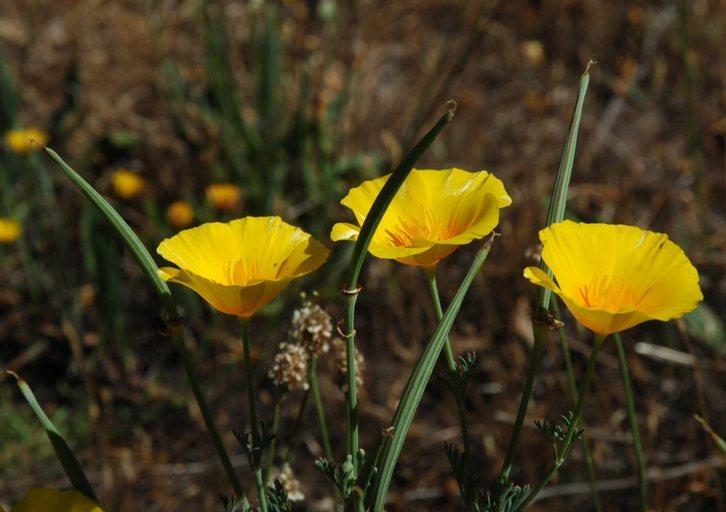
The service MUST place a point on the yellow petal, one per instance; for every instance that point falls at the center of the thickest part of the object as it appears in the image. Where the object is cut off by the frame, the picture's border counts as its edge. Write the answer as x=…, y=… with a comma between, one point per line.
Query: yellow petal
x=50, y=500
x=432, y=213
x=613, y=277
x=240, y=266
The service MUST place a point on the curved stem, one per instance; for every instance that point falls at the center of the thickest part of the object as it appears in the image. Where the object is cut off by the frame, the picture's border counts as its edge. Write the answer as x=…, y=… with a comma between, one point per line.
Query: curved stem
x=296, y=427
x=573, y=391
x=275, y=428
x=177, y=332
x=256, y=438
x=540, y=333
x=633, y=420
x=451, y=361
x=431, y=276
x=319, y=407
x=566, y=445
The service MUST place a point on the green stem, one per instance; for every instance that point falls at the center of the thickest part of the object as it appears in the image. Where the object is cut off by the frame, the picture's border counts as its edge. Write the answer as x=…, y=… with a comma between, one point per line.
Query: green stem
x=540, y=334
x=431, y=276
x=319, y=407
x=275, y=429
x=573, y=391
x=350, y=289
x=253, y=415
x=453, y=367
x=296, y=427
x=566, y=445
x=633, y=420
x=177, y=332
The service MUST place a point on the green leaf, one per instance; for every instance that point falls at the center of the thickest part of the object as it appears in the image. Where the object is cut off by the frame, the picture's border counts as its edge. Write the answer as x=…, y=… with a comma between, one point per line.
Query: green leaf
x=130, y=239
x=416, y=385
x=65, y=455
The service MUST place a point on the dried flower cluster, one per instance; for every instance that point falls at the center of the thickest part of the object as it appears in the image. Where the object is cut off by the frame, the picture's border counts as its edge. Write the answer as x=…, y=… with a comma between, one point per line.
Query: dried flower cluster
x=290, y=370
x=341, y=365
x=312, y=328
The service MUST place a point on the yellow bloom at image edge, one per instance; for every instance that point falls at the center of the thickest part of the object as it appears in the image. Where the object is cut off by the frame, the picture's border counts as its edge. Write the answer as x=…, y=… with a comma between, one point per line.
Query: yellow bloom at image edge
x=240, y=266
x=613, y=277
x=9, y=230
x=50, y=500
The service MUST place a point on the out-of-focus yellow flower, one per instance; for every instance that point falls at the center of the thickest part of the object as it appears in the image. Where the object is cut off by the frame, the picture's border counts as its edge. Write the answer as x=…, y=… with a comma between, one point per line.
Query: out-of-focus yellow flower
x=180, y=214
x=127, y=184
x=432, y=214
x=240, y=266
x=612, y=277
x=9, y=230
x=25, y=141
x=50, y=500
x=224, y=196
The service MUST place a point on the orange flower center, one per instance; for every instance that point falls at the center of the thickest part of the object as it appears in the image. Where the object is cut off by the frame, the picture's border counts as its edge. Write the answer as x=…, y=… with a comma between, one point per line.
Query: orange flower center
x=608, y=293
x=413, y=228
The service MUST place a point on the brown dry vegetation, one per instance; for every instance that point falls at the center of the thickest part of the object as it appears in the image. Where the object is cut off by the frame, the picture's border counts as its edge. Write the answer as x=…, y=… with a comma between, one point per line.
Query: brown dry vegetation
x=651, y=153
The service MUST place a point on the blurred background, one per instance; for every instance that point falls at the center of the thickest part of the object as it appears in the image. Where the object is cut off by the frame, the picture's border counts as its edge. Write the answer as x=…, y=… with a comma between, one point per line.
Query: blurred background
x=183, y=112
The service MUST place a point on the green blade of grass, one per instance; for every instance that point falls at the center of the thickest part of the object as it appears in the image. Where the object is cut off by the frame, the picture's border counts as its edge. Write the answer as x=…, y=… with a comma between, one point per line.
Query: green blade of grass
x=558, y=200
x=542, y=319
x=416, y=385
x=146, y=262
x=65, y=455
x=130, y=239
x=375, y=214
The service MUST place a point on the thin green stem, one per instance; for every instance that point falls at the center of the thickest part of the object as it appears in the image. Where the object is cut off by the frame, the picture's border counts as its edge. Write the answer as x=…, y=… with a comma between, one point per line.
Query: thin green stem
x=567, y=442
x=540, y=333
x=296, y=427
x=352, y=393
x=431, y=277
x=453, y=367
x=573, y=391
x=256, y=438
x=177, y=332
x=633, y=420
x=319, y=407
x=275, y=429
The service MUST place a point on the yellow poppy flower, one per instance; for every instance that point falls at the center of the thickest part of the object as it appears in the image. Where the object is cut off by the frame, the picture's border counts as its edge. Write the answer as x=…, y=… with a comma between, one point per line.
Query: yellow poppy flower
x=180, y=214
x=612, y=277
x=127, y=184
x=25, y=141
x=432, y=214
x=224, y=196
x=9, y=230
x=240, y=266
x=50, y=500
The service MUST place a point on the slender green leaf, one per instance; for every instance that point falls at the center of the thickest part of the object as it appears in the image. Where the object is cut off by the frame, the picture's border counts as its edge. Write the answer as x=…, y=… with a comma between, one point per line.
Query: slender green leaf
x=137, y=248
x=416, y=385
x=373, y=219
x=65, y=455
x=558, y=200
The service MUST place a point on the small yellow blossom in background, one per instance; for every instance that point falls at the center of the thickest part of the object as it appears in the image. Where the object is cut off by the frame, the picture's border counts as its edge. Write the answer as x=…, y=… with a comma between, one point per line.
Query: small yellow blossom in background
x=240, y=266
x=224, y=196
x=127, y=184
x=50, y=500
x=9, y=230
x=25, y=141
x=613, y=277
x=180, y=214
x=432, y=214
